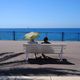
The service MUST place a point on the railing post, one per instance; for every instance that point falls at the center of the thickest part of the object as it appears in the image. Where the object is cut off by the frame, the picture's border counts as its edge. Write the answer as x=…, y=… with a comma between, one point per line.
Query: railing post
x=78, y=36
x=62, y=36
x=13, y=35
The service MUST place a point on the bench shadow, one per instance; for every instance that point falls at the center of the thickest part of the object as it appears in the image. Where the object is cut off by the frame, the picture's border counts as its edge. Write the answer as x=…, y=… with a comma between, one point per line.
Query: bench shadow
x=49, y=60
x=39, y=61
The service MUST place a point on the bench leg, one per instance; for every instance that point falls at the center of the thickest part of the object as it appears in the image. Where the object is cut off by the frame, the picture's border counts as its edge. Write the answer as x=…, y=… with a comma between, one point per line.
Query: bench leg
x=26, y=56
x=60, y=57
x=35, y=55
x=61, y=53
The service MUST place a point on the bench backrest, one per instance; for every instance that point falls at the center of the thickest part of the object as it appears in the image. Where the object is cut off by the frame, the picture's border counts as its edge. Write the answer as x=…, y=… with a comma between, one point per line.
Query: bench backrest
x=44, y=48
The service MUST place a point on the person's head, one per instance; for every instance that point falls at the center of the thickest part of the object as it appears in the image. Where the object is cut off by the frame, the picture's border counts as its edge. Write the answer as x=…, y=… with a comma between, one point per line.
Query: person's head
x=46, y=39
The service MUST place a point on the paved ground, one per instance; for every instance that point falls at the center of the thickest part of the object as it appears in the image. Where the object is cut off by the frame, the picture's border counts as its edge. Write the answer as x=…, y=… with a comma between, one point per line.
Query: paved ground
x=14, y=67
x=14, y=64
x=39, y=78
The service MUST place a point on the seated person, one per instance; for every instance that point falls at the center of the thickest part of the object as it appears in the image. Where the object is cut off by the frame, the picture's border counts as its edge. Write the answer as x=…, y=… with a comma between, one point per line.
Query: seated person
x=32, y=41
x=45, y=41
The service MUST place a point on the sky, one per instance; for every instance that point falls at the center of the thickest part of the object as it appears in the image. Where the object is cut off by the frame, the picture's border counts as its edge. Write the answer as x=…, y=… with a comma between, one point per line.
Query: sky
x=39, y=13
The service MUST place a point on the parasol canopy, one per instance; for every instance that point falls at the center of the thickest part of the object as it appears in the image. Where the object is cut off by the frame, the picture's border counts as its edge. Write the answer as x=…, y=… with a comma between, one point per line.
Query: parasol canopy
x=31, y=35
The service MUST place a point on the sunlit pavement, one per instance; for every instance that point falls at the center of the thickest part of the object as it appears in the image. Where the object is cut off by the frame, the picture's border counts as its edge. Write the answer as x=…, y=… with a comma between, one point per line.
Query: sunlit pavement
x=39, y=78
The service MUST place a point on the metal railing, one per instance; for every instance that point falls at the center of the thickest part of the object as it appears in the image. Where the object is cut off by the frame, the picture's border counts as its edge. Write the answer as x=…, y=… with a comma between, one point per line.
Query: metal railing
x=55, y=36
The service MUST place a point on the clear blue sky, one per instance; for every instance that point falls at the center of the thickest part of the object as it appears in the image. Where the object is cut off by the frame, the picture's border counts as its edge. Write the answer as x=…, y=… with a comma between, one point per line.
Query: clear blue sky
x=39, y=13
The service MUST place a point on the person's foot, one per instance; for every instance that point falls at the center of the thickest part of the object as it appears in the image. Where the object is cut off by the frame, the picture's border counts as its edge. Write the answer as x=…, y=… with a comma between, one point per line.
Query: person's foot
x=43, y=56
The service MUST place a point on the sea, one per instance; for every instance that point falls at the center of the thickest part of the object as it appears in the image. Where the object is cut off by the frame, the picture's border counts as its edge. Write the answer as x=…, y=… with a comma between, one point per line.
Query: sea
x=53, y=34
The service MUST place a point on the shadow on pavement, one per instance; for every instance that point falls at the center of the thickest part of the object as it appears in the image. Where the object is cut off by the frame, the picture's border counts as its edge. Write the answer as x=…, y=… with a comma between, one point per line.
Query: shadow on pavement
x=39, y=61
x=38, y=72
x=49, y=60
x=6, y=57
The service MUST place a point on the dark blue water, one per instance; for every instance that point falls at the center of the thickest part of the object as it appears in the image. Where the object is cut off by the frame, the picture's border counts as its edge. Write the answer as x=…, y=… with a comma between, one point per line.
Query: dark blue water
x=56, y=34
x=42, y=29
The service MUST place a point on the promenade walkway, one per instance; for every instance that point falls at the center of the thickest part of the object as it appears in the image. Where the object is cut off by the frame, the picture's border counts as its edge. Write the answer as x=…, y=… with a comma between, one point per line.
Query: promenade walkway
x=13, y=64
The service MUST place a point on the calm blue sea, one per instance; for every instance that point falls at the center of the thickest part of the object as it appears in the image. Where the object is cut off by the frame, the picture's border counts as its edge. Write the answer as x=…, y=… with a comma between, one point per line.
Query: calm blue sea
x=55, y=34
